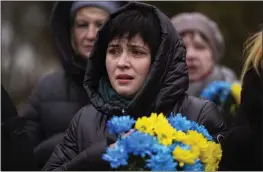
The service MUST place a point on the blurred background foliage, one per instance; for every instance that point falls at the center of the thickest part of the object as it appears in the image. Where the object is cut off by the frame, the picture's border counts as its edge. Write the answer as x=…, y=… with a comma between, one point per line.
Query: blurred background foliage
x=27, y=52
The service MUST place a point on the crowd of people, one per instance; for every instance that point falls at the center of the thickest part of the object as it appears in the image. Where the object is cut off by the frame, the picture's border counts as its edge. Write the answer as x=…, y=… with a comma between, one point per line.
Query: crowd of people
x=114, y=64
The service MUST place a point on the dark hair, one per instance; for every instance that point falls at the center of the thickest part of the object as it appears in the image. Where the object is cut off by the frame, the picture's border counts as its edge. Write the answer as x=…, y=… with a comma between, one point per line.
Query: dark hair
x=132, y=22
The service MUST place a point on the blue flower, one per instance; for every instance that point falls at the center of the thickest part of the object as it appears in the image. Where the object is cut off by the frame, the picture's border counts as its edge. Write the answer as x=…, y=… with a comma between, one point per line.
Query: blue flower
x=158, y=148
x=139, y=143
x=217, y=88
x=201, y=129
x=179, y=123
x=172, y=147
x=116, y=156
x=197, y=166
x=161, y=162
x=209, y=93
x=119, y=125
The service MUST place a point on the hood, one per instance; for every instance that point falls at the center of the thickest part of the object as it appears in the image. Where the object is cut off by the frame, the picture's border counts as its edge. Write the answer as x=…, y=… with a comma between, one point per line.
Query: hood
x=166, y=82
x=60, y=27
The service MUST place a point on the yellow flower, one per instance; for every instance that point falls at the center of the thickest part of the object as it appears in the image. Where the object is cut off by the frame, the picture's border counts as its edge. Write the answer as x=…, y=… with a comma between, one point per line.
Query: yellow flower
x=161, y=120
x=212, y=156
x=161, y=128
x=146, y=124
x=210, y=167
x=180, y=136
x=212, y=153
x=156, y=125
x=236, y=92
x=195, y=150
x=165, y=134
x=181, y=164
x=164, y=131
x=197, y=141
x=184, y=156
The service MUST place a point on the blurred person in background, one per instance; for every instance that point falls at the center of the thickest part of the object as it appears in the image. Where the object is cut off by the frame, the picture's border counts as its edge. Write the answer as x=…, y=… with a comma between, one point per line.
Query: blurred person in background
x=242, y=148
x=16, y=149
x=58, y=96
x=204, y=48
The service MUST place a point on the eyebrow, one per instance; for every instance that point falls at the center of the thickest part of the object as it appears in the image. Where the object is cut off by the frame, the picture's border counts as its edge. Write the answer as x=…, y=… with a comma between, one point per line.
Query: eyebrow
x=201, y=42
x=84, y=19
x=136, y=46
x=198, y=38
x=115, y=45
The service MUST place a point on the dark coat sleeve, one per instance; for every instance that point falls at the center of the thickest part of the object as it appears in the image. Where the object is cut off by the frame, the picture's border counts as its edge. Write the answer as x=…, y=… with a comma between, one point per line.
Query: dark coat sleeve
x=32, y=116
x=67, y=156
x=244, y=138
x=9, y=109
x=251, y=100
x=211, y=119
x=17, y=152
x=46, y=147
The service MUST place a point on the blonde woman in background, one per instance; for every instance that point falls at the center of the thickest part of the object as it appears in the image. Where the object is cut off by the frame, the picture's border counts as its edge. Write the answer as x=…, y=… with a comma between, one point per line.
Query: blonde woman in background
x=243, y=146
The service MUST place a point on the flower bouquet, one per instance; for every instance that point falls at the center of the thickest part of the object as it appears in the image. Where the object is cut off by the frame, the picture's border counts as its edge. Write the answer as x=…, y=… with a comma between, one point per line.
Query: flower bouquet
x=226, y=96
x=161, y=144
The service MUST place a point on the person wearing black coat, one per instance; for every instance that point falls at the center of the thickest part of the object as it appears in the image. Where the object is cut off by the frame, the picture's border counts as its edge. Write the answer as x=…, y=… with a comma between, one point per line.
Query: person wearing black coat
x=145, y=71
x=242, y=146
x=58, y=96
x=16, y=149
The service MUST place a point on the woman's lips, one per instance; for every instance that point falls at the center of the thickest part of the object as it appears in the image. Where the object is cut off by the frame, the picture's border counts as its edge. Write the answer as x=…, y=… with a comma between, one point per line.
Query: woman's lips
x=124, y=81
x=88, y=47
x=124, y=78
x=191, y=68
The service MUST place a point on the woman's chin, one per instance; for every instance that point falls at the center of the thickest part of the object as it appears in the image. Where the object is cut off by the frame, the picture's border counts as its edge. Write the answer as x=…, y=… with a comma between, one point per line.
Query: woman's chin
x=125, y=93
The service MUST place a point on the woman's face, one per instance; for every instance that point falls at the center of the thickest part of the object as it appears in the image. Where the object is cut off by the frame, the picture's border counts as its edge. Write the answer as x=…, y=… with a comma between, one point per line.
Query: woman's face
x=128, y=64
x=198, y=56
x=87, y=22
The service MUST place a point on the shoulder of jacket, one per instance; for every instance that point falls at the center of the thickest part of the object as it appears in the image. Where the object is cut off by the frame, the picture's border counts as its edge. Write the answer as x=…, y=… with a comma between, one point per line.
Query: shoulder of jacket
x=228, y=74
x=52, y=81
x=196, y=106
x=196, y=102
x=87, y=111
x=52, y=77
x=88, y=108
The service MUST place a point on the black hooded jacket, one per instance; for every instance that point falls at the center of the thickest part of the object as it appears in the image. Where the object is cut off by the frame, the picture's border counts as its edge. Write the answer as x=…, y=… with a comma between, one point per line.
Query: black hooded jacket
x=163, y=91
x=58, y=96
x=243, y=148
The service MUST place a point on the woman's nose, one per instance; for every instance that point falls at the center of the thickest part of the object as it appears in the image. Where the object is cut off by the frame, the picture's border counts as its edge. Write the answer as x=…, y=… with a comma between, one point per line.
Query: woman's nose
x=190, y=54
x=123, y=61
x=91, y=33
